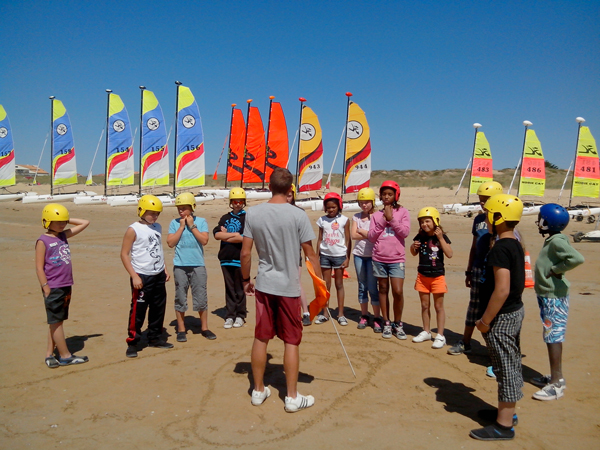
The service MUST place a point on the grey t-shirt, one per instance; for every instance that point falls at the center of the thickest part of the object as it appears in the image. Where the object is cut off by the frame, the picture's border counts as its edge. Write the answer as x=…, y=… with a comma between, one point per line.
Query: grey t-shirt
x=278, y=229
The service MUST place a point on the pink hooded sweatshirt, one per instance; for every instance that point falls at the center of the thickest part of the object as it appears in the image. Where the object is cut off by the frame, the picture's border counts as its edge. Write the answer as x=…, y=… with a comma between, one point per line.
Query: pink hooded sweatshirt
x=388, y=237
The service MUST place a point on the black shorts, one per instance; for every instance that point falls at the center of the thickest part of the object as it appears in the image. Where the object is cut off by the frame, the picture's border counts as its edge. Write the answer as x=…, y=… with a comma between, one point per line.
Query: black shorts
x=57, y=304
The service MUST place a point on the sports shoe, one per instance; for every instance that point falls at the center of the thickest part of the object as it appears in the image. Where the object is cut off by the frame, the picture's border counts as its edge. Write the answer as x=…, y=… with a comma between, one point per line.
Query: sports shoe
x=342, y=321
x=239, y=322
x=398, y=330
x=208, y=335
x=439, y=341
x=489, y=371
x=298, y=403
x=363, y=322
x=321, y=319
x=377, y=325
x=160, y=344
x=490, y=415
x=306, y=320
x=259, y=397
x=422, y=337
x=552, y=391
x=51, y=362
x=494, y=432
x=460, y=348
x=228, y=323
x=387, y=330
x=131, y=351
x=542, y=381
x=181, y=336
x=72, y=360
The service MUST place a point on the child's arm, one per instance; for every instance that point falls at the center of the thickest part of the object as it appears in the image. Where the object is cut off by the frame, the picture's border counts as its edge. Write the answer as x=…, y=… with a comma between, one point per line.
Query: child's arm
x=232, y=238
x=128, y=241
x=173, y=238
x=568, y=257
x=348, y=245
x=40, y=257
x=358, y=234
x=470, y=263
x=499, y=296
x=376, y=227
x=80, y=225
x=400, y=223
x=201, y=236
x=319, y=240
x=414, y=247
x=443, y=244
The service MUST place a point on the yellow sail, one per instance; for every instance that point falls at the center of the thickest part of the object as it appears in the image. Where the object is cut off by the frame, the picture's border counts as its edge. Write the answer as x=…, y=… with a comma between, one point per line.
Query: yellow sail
x=357, y=165
x=533, y=172
x=310, y=156
x=586, y=182
x=481, y=170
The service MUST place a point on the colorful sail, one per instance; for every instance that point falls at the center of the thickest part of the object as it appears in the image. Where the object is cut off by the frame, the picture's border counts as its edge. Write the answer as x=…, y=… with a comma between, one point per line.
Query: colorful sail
x=357, y=161
x=533, y=171
x=7, y=151
x=277, y=141
x=254, y=159
x=154, y=158
x=481, y=170
x=236, y=146
x=64, y=168
x=189, y=163
x=119, y=148
x=587, y=171
x=310, y=155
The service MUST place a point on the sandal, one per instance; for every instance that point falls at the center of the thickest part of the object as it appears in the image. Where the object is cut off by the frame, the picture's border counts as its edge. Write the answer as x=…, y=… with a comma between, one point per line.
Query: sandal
x=51, y=362
x=72, y=360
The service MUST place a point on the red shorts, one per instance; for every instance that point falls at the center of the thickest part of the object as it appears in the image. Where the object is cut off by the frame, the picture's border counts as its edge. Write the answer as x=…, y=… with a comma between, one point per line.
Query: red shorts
x=431, y=285
x=278, y=316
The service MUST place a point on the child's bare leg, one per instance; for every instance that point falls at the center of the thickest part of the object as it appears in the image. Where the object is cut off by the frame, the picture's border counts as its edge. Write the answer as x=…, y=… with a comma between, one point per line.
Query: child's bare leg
x=468, y=334
x=506, y=411
x=203, y=319
x=376, y=310
x=180, y=324
x=384, y=301
x=398, y=294
x=425, y=312
x=555, y=355
x=339, y=287
x=440, y=312
x=57, y=337
x=364, y=308
x=327, y=276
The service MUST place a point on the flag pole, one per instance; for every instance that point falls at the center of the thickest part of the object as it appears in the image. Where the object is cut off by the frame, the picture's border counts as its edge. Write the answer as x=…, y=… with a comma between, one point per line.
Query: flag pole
x=302, y=100
x=579, y=120
x=476, y=126
x=344, y=168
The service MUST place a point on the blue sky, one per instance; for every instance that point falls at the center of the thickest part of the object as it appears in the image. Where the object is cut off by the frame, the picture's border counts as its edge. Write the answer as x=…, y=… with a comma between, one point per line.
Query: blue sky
x=423, y=72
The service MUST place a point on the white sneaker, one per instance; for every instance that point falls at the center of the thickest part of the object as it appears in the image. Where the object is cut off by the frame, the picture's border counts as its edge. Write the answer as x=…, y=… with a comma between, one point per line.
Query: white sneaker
x=228, y=323
x=239, y=322
x=259, y=397
x=298, y=403
x=422, y=337
x=439, y=341
x=551, y=391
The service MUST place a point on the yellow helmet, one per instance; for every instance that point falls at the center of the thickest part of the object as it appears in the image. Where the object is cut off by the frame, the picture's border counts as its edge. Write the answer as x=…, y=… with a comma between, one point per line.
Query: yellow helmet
x=237, y=194
x=186, y=198
x=149, y=203
x=54, y=212
x=489, y=188
x=430, y=211
x=508, y=206
x=294, y=191
x=366, y=194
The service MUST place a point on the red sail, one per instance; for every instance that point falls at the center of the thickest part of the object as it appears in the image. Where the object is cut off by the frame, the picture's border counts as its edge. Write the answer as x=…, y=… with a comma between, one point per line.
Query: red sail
x=254, y=162
x=277, y=141
x=236, y=146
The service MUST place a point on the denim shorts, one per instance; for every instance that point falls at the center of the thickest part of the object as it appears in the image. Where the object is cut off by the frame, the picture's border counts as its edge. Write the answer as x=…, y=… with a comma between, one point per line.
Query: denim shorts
x=331, y=262
x=388, y=270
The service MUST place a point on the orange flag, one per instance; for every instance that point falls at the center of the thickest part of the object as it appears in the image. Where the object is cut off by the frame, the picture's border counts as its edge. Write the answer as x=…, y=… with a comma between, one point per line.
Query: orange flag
x=321, y=293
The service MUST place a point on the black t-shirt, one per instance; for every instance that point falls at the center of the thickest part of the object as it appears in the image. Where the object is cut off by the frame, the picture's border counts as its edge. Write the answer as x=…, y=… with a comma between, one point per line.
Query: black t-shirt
x=431, y=255
x=229, y=253
x=508, y=254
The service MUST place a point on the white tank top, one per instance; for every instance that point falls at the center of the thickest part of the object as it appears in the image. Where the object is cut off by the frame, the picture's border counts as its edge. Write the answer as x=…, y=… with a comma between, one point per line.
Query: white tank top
x=146, y=252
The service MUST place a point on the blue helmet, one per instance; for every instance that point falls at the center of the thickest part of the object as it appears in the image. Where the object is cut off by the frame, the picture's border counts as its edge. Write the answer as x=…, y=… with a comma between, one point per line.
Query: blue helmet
x=552, y=218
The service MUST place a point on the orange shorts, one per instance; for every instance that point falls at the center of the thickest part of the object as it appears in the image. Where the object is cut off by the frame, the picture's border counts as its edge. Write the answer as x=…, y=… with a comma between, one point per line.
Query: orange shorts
x=431, y=285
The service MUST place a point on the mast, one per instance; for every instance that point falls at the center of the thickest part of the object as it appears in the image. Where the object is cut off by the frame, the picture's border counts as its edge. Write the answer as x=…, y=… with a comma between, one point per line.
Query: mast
x=249, y=101
x=178, y=83
x=108, y=91
x=344, y=168
x=271, y=97
x=476, y=126
x=302, y=100
x=527, y=124
x=233, y=105
x=579, y=121
x=142, y=88
x=51, y=144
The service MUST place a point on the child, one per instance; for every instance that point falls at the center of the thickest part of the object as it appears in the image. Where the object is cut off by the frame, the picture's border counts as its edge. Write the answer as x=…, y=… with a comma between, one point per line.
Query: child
x=363, y=261
x=431, y=244
x=503, y=281
x=188, y=235
x=229, y=231
x=387, y=231
x=142, y=256
x=480, y=246
x=334, y=246
x=552, y=289
x=55, y=274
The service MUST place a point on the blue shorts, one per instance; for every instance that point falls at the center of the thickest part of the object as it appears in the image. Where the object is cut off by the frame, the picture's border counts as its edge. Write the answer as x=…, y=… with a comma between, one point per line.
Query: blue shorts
x=388, y=270
x=331, y=262
x=554, y=313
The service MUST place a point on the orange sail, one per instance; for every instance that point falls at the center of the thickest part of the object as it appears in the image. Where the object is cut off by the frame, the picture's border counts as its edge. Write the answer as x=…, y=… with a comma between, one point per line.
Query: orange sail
x=236, y=146
x=254, y=159
x=277, y=141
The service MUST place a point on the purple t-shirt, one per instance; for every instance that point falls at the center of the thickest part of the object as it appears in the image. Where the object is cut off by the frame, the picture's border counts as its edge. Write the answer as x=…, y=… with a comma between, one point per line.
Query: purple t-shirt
x=57, y=261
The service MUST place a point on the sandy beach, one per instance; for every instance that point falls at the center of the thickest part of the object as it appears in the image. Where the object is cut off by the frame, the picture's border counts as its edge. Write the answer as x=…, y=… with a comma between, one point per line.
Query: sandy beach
x=197, y=395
